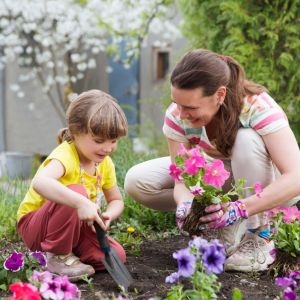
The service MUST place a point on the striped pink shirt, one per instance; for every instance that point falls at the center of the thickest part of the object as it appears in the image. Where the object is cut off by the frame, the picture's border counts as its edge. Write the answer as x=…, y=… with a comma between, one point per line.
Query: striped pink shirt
x=260, y=112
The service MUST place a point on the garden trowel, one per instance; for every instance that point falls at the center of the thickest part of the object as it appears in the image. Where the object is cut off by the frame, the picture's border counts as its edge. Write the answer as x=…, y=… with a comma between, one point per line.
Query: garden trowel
x=111, y=260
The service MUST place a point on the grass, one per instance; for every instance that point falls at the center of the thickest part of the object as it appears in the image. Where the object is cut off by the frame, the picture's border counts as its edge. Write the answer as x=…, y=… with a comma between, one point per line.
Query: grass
x=11, y=194
x=146, y=222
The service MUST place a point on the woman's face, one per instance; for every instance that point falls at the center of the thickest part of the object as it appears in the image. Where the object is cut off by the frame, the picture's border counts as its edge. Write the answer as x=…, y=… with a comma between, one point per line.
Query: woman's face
x=199, y=110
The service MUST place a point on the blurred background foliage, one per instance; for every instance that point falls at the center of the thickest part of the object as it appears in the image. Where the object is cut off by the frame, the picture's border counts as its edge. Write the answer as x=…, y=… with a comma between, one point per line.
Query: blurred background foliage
x=264, y=36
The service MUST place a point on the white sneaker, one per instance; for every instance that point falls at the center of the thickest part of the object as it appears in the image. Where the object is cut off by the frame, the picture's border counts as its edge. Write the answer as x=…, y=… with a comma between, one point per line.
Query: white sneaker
x=231, y=236
x=253, y=255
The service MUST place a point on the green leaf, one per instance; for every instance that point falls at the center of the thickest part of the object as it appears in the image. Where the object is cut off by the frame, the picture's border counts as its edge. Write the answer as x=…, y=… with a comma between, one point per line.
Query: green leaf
x=237, y=294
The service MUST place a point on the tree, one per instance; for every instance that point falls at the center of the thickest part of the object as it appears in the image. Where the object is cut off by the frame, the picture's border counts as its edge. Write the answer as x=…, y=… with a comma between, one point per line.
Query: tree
x=263, y=35
x=57, y=41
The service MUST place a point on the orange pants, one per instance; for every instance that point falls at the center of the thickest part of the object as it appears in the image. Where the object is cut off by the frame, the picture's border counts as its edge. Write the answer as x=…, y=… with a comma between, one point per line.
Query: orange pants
x=57, y=229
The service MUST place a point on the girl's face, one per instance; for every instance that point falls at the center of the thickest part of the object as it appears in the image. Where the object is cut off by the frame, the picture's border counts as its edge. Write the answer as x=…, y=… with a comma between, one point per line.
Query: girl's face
x=93, y=149
x=199, y=110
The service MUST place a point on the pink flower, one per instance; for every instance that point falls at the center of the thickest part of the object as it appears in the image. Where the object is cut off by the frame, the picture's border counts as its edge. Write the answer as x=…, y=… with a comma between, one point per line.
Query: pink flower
x=290, y=214
x=273, y=212
x=195, y=152
x=258, y=189
x=24, y=291
x=51, y=290
x=215, y=174
x=69, y=289
x=38, y=277
x=181, y=150
x=196, y=189
x=175, y=172
x=195, y=162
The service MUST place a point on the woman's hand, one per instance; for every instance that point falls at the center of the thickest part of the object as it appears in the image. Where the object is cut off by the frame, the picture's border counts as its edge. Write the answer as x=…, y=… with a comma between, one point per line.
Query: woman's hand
x=221, y=215
x=182, y=211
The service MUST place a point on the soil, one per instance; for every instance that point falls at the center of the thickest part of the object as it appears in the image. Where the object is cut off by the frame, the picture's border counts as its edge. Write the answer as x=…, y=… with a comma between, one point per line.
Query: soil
x=156, y=262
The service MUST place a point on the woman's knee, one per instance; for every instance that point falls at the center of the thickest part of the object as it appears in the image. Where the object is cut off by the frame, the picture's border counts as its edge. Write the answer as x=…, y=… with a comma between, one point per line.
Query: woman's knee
x=131, y=181
x=248, y=146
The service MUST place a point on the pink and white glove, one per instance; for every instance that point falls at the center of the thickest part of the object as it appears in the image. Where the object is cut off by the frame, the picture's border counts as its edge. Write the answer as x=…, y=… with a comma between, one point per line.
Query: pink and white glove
x=221, y=215
x=182, y=211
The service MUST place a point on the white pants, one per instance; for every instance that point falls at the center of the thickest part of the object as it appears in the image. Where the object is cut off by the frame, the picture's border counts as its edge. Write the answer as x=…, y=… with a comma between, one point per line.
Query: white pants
x=150, y=184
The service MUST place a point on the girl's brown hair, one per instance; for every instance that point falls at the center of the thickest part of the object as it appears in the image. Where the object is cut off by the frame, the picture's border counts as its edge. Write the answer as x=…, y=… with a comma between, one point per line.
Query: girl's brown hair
x=208, y=70
x=96, y=113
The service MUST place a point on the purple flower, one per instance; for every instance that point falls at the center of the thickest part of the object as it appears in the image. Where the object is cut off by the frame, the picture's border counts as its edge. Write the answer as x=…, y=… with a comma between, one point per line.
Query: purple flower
x=14, y=262
x=213, y=259
x=172, y=278
x=289, y=294
x=186, y=262
x=285, y=282
x=273, y=253
x=220, y=247
x=40, y=257
x=294, y=275
x=199, y=243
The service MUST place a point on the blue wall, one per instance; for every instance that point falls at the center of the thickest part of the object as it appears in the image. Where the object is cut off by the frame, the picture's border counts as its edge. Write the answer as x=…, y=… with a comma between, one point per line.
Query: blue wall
x=124, y=86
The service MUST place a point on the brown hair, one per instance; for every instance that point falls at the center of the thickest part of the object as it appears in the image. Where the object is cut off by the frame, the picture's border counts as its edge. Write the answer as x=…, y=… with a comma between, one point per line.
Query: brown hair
x=96, y=113
x=208, y=70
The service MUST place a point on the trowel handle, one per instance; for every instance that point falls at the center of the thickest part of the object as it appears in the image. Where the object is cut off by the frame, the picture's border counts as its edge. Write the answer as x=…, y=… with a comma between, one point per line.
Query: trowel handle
x=102, y=238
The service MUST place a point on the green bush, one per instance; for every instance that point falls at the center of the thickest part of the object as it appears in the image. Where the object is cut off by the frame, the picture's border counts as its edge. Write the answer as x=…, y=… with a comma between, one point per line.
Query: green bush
x=263, y=35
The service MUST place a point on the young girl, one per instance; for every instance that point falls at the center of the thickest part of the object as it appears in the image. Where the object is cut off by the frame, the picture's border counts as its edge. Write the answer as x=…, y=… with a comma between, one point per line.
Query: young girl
x=58, y=211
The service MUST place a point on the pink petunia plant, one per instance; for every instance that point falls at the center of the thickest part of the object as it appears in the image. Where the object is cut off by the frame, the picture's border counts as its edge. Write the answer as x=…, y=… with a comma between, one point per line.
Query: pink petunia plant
x=45, y=285
x=203, y=178
x=286, y=229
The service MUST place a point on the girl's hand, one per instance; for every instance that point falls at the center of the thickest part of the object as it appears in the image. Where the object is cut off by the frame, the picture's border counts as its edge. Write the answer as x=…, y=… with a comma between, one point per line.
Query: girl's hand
x=224, y=214
x=106, y=218
x=89, y=211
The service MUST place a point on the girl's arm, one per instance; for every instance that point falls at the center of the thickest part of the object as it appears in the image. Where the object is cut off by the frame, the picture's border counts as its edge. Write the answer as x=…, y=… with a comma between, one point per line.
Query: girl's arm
x=115, y=205
x=285, y=154
x=181, y=193
x=47, y=185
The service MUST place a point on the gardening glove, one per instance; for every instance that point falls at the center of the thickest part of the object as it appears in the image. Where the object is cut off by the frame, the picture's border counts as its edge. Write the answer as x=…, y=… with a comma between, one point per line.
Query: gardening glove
x=182, y=210
x=221, y=215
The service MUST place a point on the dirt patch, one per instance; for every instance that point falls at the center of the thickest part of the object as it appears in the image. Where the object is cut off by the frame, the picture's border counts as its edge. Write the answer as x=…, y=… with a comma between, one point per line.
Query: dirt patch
x=156, y=262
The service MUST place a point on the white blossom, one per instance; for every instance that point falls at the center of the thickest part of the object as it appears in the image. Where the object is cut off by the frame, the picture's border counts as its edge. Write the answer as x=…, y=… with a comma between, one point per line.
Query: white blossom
x=59, y=40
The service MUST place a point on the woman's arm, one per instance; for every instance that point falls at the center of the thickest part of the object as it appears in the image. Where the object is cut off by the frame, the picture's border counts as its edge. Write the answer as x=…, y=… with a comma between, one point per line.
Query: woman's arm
x=181, y=193
x=47, y=185
x=285, y=154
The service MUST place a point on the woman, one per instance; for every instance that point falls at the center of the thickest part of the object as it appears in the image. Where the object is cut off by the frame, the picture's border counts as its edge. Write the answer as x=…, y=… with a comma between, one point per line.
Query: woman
x=235, y=120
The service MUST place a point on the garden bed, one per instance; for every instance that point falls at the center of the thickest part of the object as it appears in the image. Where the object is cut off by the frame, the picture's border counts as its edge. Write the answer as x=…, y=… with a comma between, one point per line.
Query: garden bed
x=156, y=262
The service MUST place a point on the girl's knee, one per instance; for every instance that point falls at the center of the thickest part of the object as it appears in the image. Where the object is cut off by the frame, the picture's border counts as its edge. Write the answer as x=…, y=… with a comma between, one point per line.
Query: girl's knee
x=120, y=252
